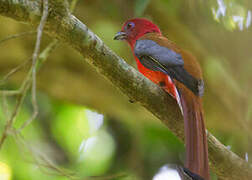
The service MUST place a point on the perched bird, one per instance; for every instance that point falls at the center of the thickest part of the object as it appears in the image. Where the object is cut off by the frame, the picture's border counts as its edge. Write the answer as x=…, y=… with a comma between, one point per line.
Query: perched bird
x=178, y=73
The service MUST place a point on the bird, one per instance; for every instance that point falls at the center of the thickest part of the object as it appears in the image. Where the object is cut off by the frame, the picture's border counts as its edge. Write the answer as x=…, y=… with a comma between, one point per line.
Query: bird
x=178, y=72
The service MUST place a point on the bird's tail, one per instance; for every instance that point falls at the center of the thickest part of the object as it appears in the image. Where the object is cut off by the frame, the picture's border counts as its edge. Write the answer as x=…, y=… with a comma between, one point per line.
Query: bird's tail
x=195, y=134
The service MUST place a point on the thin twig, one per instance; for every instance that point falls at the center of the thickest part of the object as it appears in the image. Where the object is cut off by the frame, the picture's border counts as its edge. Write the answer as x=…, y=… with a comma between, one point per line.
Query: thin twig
x=73, y=5
x=16, y=36
x=9, y=92
x=43, y=162
x=11, y=120
x=40, y=159
x=34, y=61
x=43, y=56
x=13, y=71
x=31, y=77
x=108, y=177
x=5, y=107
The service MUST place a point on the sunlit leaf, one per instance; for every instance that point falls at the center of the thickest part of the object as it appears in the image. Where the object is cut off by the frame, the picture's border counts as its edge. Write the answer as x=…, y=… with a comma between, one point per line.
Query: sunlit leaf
x=70, y=127
x=97, y=153
x=5, y=171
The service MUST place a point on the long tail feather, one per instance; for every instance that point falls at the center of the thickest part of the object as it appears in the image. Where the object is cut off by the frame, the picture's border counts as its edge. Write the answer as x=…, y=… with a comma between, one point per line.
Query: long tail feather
x=195, y=134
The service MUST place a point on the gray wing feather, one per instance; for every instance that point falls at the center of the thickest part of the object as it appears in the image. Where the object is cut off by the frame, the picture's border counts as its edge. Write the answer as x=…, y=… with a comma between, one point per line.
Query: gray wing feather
x=165, y=56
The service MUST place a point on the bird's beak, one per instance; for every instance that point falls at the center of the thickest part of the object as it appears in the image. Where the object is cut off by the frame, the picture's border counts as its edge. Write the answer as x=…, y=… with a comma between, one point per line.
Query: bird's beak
x=120, y=36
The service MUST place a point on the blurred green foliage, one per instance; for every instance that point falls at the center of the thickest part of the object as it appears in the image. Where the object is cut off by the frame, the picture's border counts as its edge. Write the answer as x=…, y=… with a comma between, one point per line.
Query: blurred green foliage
x=140, y=6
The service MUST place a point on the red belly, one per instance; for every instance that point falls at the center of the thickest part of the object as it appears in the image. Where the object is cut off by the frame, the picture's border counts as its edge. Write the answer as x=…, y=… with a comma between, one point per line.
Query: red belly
x=158, y=77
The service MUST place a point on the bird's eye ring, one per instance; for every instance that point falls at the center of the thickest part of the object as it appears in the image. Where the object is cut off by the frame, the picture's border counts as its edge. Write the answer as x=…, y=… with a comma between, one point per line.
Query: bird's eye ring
x=130, y=25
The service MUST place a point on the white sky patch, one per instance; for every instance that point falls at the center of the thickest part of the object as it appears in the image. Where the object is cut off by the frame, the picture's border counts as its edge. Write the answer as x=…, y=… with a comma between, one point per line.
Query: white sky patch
x=86, y=145
x=95, y=120
x=166, y=173
x=246, y=156
x=239, y=20
x=222, y=8
x=82, y=145
x=248, y=22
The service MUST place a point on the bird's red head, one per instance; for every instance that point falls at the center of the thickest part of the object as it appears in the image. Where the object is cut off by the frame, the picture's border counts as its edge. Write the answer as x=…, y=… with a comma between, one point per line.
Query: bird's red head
x=133, y=29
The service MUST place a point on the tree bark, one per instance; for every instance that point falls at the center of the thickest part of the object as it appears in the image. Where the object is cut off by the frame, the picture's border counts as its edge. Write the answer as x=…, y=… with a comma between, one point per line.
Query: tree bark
x=64, y=26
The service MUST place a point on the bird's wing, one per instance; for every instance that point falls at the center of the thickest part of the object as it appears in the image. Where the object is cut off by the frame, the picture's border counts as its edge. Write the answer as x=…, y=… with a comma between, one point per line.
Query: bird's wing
x=160, y=58
x=164, y=56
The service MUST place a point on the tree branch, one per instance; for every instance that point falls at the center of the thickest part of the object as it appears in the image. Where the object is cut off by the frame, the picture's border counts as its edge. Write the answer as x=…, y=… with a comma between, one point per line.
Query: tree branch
x=67, y=28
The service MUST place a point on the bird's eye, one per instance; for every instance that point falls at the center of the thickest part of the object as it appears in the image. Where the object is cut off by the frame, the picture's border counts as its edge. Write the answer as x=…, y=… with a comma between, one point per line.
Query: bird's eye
x=129, y=25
